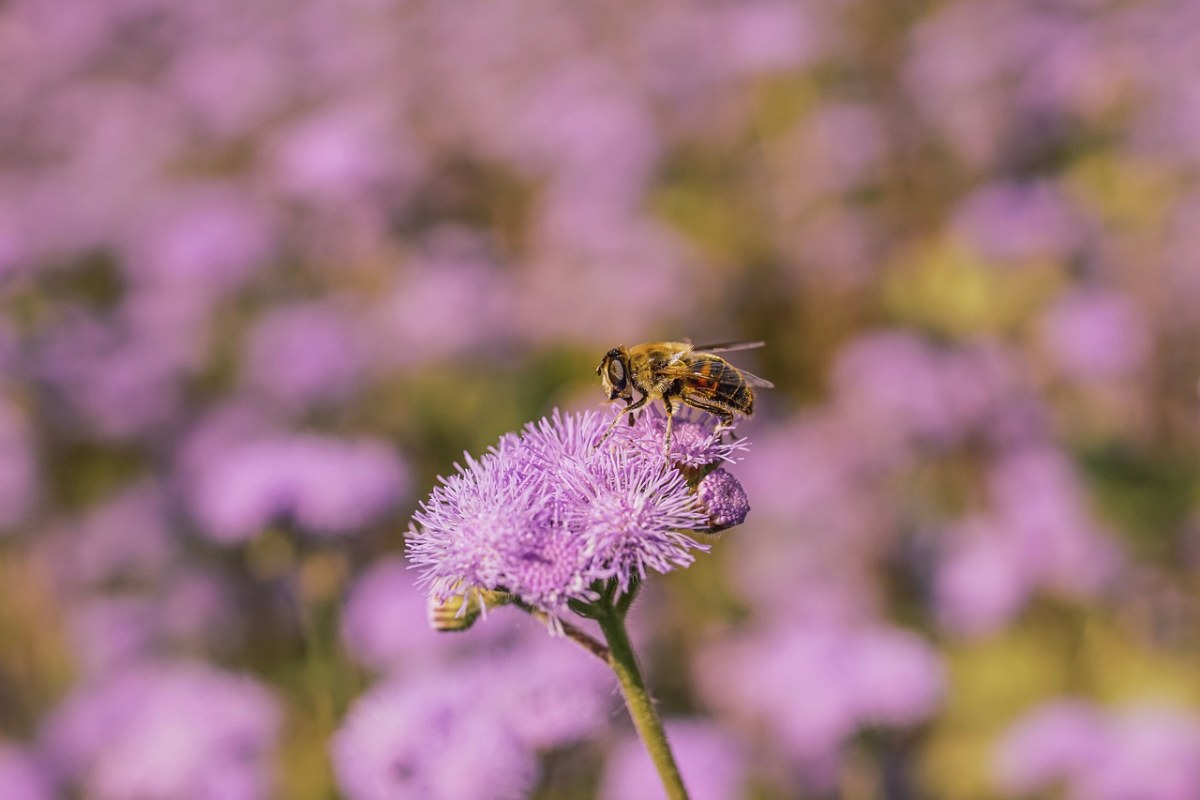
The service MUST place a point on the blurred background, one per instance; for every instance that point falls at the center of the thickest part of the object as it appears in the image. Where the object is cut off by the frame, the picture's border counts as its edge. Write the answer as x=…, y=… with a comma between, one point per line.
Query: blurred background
x=268, y=268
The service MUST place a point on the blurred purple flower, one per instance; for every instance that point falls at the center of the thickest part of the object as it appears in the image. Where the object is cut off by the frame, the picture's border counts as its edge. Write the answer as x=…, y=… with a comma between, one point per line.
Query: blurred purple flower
x=1018, y=222
x=1096, y=335
x=995, y=80
x=1155, y=755
x=712, y=762
x=1040, y=500
x=304, y=355
x=378, y=629
x=812, y=686
x=1049, y=745
x=1141, y=751
x=472, y=729
x=124, y=539
x=23, y=776
x=982, y=582
x=837, y=148
x=19, y=484
x=197, y=610
x=427, y=738
x=549, y=694
x=452, y=300
x=894, y=390
x=170, y=729
x=325, y=485
x=230, y=88
x=892, y=382
x=209, y=238
x=587, y=249
x=546, y=514
x=588, y=133
x=340, y=155
x=1039, y=534
x=106, y=633
x=766, y=36
x=110, y=382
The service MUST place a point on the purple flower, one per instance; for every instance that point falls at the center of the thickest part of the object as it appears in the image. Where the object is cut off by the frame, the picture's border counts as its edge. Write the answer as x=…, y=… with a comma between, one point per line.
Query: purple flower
x=18, y=468
x=550, y=695
x=695, y=440
x=981, y=582
x=1049, y=745
x=209, y=238
x=470, y=729
x=377, y=627
x=712, y=762
x=125, y=538
x=724, y=499
x=109, y=632
x=813, y=686
x=1096, y=335
x=452, y=300
x=545, y=515
x=342, y=154
x=170, y=729
x=429, y=738
x=1015, y=222
x=23, y=776
x=305, y=354
x=325, y=485
x=1142, y=751
x=1154, y=754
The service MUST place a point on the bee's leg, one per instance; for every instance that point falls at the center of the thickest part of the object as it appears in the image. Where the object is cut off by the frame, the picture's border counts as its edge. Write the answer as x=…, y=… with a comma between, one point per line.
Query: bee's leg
x=720, y=412
x=629, y=409
x=670, y=423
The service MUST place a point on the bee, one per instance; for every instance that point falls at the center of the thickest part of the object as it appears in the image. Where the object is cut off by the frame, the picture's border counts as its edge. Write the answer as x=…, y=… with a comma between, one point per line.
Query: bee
x=679, y=373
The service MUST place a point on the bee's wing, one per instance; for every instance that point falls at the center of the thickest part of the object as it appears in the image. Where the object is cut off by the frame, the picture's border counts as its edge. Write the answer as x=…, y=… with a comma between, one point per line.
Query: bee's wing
x=754, y=380
x=726, y=347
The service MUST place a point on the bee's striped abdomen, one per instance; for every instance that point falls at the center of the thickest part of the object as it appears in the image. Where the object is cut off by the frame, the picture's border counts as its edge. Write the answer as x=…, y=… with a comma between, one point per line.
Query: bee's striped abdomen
x=717, y=380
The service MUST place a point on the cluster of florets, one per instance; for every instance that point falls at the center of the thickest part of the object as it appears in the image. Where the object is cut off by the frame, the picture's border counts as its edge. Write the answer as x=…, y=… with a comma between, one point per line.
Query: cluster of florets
x=547, y=516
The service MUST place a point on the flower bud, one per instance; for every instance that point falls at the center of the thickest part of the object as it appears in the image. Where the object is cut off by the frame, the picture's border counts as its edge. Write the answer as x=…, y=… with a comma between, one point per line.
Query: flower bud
x=723, y=499
x=459, y=611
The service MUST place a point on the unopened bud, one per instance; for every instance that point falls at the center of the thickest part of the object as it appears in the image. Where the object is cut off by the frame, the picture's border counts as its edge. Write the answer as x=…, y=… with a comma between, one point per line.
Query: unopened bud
x=724, y=499
x=459, y=611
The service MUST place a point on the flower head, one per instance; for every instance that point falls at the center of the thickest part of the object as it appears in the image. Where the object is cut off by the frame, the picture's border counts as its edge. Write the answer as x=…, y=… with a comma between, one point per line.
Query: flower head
x=547, y=514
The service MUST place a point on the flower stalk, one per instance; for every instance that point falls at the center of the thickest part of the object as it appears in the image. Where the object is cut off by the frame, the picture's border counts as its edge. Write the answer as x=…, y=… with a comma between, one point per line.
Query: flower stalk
x=610, y=611
x=623, y=661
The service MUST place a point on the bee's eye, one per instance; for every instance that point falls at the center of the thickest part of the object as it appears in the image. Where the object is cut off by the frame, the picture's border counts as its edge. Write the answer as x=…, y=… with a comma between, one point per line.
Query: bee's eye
x=616, y=373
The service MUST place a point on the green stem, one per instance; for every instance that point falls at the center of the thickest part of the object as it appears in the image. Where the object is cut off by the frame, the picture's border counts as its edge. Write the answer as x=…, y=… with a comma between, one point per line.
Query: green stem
x=641, y=707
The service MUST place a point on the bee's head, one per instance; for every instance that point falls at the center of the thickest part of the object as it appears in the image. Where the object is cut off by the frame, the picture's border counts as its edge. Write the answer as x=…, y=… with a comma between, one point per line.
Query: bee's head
x=614, y=374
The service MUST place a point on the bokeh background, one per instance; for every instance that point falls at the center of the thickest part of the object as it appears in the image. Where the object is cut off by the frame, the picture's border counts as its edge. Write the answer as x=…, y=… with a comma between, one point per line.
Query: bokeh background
x=268, y=267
